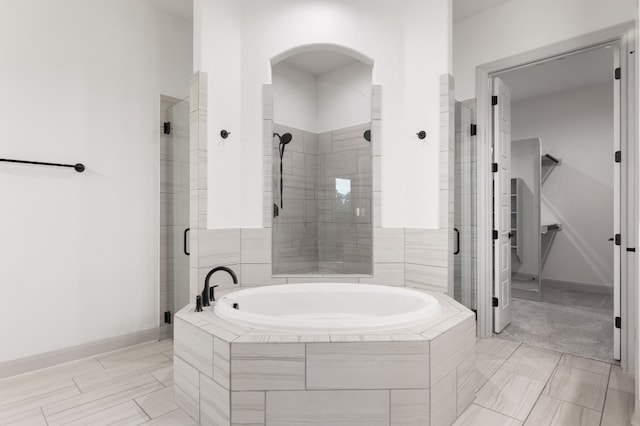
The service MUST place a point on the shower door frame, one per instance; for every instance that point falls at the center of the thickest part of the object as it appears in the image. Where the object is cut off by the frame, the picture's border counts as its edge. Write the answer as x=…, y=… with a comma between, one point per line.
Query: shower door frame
x=624, y=36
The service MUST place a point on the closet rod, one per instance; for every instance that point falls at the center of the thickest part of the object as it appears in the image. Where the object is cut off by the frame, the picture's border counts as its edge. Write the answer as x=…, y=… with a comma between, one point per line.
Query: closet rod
x=552, y=158
x=79, y=167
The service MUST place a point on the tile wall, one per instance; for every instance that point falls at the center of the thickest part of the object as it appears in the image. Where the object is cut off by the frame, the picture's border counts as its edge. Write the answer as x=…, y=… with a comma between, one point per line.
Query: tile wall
x=401, y=256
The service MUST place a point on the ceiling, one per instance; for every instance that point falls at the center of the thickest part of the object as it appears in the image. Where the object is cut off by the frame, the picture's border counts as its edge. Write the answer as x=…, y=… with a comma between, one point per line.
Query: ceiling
x=463, y=9
x=180, y=8
x=319, y=62
x=571, y=72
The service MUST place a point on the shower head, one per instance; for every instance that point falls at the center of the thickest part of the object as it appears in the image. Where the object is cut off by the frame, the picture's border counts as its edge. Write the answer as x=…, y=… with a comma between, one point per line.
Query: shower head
x=284, y=139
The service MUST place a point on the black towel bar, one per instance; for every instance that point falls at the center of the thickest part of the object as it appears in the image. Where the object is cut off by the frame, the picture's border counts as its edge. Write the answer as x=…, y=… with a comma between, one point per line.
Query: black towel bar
x=79, y=167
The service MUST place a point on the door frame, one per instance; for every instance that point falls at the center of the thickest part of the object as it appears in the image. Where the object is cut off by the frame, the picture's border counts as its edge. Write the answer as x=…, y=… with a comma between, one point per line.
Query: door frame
x=624, y=35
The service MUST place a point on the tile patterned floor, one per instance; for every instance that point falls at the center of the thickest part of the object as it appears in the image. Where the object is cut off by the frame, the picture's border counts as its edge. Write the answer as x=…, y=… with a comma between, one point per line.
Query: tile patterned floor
x=516, y=384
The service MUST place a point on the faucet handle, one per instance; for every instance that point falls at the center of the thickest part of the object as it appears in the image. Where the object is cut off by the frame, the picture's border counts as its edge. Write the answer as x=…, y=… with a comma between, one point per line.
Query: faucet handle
x=212, y=296
x=198, y=303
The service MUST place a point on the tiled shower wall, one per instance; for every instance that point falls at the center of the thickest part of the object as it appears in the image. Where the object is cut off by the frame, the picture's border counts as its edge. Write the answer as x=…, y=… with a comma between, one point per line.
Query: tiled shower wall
x=316, y=231
x=401, y=256
x=345, y=244
x=295, y=229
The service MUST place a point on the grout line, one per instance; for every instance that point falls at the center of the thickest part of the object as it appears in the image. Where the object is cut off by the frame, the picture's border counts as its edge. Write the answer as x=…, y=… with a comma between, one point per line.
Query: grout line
x=76, y=385
x=606, y=396
x=546, y=383
x=43, y=416
x=140, y=406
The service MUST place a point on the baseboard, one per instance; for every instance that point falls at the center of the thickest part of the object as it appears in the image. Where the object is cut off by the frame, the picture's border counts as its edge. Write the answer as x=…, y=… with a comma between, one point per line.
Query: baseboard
x=73, y=353
x=587, y=288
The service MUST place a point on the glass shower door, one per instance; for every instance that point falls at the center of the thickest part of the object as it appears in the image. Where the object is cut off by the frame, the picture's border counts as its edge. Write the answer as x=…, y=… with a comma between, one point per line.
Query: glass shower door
x=465, y=209
x=174, y=212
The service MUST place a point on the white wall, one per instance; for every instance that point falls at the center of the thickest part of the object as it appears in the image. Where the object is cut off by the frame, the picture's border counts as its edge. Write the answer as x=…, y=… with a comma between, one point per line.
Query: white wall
x=409, y=43
x=521, y=25
x=577, y=127
x=344, y=97
x=81, y=82
x=295, y=94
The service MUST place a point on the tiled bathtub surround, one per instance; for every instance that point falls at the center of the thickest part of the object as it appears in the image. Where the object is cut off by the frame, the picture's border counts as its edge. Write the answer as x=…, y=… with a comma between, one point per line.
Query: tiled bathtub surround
x=320, y=230
x=227, y=374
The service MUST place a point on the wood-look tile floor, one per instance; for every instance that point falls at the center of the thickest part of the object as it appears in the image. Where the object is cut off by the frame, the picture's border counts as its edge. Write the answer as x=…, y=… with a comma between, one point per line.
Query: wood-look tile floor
x=517, y=384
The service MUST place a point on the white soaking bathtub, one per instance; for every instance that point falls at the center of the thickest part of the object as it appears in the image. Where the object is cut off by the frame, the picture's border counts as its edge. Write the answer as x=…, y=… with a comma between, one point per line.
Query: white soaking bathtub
x=327, y=307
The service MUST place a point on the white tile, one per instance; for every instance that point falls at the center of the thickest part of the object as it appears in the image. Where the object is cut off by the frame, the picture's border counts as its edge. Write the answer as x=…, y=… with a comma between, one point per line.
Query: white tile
x=164, y=375
x=266, y=366
x=554, y=412
x=410, y=407
x=157, y=403
x=310, y=408
x=174, y=418
x=386, y=274
x=218, y=247
x=452, y=348
x=498, y=347
x=426, y=247
x=510, y=394
x=486, y=366
x=221, y=358
x=578, y=387
x=215, y=403
x=476, y=415
x=256, y=275
x=618, y=408
x=133, y=353
x=443, y=400
x=186, y=387
x=620, y=380
x=194, y=346
x=127, y=413
x=532, y=362
x=388, y=245
x=466, y=383
x=587, y=364
x=247, y=408
x=427, y=277
x=256, y=245
x=384, y=365
x=27, y=418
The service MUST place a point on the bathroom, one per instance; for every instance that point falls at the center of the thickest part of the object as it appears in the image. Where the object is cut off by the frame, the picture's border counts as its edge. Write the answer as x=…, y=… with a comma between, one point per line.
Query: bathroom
x=83, y=257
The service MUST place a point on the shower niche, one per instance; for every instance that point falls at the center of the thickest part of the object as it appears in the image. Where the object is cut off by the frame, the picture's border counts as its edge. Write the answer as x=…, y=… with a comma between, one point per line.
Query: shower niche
x=321, y=165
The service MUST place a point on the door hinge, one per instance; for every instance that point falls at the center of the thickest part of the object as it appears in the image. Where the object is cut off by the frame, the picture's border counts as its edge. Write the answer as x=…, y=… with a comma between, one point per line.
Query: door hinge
x=495, y=302
x=618, y=156
x=475, y=311
x=494, y=234
x=618, y=322
x=474, y=129
x=631, y=249
x=617, y=239
x=617, y=74
x=494, y=167
x=167, y=317
x=166, y=127
x=494, y=100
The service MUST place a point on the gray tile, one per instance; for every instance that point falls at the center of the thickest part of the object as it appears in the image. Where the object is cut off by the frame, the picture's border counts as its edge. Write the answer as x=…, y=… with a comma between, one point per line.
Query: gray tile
x=620, y=380
x=215, y=404
x=267, y=366
x=510, y=394
x=384, y=365
x=443, y=401
x=618, y=408
x=309, y=408
x=578, y=387
x=554, y=412
x=247, y=408
x=194, y=346
x=532, y=362
x=499, y=347
x=476, y=415
x=186, y=388
x=587, y=364
x=157, y=403
x=410, y=407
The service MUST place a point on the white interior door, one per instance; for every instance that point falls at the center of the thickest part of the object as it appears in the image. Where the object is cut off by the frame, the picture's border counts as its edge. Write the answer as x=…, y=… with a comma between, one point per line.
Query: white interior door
x=617, y=245
x=502, y=205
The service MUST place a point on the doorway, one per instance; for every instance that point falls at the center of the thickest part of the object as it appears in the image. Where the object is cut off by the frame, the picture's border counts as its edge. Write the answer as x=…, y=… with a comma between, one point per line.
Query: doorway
x=623, y=230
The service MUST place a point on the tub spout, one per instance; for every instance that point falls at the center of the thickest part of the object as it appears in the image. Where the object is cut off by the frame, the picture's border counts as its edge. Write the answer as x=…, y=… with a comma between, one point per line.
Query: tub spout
x=206, y=292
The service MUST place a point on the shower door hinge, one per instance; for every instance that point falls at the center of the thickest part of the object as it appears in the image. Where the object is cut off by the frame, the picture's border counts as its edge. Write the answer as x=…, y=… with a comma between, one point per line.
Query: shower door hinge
x=474, y=129
x=495, y=302
x=494, y=234
x=618, y=156
x=166, y=127
x=631, y=249
x=617, y=74
x=494, y=167
x=494, y=100
x=167, y=317
x=618, y=322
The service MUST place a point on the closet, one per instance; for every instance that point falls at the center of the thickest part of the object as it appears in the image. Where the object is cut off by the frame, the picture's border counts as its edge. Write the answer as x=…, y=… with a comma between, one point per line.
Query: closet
x=533, y=225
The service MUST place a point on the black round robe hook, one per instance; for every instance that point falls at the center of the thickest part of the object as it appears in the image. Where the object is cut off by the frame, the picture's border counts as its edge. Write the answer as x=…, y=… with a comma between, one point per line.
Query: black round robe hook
x=367, y=135
x=421, y=134
x=224, y=134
